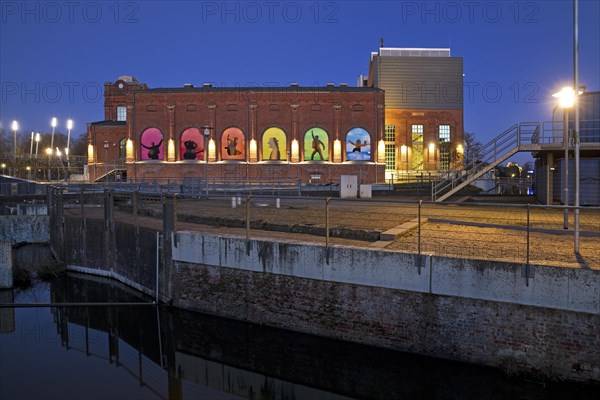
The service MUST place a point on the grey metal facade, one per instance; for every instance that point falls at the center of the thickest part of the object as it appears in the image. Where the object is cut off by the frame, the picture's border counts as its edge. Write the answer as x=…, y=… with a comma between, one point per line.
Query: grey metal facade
x=420, y=82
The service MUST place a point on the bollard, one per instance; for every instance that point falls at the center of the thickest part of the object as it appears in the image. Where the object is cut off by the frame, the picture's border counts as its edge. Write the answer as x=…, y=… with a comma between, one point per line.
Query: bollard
x=233, y=202
x=277, y=202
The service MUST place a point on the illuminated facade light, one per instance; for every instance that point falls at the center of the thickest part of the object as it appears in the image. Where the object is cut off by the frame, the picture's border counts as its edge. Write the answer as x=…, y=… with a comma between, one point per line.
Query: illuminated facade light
x=295, y=156
x=337, y=151
x=381, y=152
x=253, y=151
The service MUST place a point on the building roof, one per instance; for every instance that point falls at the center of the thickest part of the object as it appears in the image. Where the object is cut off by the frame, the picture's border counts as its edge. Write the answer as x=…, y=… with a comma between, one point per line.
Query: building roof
x=271, y=89
x=108, y=123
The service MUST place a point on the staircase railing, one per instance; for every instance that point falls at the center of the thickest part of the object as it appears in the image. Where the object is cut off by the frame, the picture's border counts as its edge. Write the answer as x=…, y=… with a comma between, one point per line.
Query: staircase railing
x=486, y=158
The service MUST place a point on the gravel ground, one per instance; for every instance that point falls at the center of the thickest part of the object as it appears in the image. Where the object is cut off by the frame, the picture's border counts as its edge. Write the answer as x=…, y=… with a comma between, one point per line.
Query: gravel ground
x=470, y=231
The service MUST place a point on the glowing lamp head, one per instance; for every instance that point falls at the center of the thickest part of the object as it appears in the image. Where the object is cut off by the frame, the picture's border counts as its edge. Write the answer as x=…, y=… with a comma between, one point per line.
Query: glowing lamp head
x=54, y=122
x=566, y=97
x=70, y=124
x=15, y=126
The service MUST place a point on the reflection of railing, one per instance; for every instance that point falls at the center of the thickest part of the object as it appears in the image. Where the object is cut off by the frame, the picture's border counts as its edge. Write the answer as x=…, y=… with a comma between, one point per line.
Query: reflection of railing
x=107, y=346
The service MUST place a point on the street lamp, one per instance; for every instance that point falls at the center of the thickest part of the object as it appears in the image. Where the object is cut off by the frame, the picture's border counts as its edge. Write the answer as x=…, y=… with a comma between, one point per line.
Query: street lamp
x=106, y=146
x=49, y=153
x=566, y=99
x=15, y=128
x=53, y=122
x=37, y=143
x=3, y=167
x=206, y=136
x=69, y=127
x=31, y=146
x=58, y=154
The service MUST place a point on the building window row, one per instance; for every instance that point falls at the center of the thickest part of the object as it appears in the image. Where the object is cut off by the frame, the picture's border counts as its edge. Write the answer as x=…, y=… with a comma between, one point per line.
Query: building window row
x=317, y=145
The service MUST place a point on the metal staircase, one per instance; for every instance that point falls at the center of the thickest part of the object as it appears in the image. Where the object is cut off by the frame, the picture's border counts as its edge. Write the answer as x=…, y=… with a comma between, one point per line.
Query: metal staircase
x=112, y=175
x=519, y=137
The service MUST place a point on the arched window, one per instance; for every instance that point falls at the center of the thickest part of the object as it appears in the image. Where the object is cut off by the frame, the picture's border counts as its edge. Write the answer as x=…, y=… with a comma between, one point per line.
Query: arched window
x=151, y=143
x=123, y=148
x=233, y=144
x=316, y=145
x=358, y=145
x=191, y=145
x=274, y=145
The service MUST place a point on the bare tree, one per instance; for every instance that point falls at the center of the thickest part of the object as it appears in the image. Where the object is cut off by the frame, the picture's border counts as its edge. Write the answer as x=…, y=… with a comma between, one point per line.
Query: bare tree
x=472, y=148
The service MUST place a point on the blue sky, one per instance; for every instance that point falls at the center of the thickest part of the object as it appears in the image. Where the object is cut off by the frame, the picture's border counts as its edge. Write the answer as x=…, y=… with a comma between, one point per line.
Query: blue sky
x=56, y=56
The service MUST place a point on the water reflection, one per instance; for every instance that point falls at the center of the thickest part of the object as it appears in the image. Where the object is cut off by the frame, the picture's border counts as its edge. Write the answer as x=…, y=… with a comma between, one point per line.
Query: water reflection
x=148, y=352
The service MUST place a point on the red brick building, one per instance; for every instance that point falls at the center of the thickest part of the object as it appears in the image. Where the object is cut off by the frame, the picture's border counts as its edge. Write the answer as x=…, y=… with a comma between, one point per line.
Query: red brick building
x=424, y=108
x=252, y=133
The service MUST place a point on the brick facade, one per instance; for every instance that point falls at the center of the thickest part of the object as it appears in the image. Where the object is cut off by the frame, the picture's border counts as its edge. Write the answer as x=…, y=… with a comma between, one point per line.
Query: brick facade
x=169, y=114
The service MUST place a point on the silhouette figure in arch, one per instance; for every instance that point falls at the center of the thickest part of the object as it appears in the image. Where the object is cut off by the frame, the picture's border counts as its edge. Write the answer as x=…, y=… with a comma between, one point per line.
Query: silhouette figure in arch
x=231, y=147
x=274, y=145
x=190, y=150
x=153, y=150
x=316, y=145
x=358, y=145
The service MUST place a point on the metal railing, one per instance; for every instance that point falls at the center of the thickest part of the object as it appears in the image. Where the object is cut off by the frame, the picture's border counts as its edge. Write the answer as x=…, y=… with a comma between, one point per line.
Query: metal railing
x=490, y=155
x=517, y=233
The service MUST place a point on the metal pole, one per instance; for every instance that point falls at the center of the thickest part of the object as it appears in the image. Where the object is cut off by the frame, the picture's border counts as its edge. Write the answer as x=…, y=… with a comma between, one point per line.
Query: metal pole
x=419, y=234
x=566, y=167
x=327, y=200
x=248, y=198
x=527, y=256
x=157, y=264
x=576, y=130
x=206, y=162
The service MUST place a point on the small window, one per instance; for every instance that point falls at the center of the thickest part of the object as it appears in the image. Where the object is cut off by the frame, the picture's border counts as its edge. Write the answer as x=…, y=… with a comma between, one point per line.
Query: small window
x=444, y=133
x=121, y=113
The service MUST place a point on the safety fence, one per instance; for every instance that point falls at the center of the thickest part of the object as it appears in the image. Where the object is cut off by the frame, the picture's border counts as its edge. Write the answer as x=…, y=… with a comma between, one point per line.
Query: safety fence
x=520, y=233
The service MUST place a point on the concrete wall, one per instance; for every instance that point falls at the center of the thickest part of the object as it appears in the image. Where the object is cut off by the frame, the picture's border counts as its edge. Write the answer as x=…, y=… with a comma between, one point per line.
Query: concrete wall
x=553, y=287
x=25, y=228
x=474, y=311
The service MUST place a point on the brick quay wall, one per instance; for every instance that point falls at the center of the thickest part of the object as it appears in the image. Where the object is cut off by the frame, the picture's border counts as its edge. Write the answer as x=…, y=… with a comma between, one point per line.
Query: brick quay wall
x=537, y=320
x=544, y=321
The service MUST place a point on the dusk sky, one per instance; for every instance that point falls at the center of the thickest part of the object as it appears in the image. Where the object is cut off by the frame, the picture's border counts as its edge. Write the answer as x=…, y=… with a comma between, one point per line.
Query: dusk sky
x=56, y=56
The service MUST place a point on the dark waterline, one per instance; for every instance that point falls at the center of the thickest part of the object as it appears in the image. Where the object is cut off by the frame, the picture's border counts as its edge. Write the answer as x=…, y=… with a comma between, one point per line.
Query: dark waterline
x=163, y=353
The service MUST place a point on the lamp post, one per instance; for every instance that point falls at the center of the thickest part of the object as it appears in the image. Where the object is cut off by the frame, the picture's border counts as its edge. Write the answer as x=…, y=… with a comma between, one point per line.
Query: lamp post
x=15, y=128
x=106, y=146
x=37, y=144
x=566, y=99
x=576, y=130
x=49, y=153
x=69, y=127
x=53, y=122
x=206, y=136
x=31, y=146
x=58, y=154
x=3, y=167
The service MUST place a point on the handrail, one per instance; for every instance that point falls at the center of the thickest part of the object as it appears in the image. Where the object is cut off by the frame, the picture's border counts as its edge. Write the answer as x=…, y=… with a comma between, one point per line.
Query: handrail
x=489, y=155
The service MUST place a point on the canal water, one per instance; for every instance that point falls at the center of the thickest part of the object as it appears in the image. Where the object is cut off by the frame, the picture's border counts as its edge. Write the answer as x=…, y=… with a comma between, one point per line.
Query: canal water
x=149, y=352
